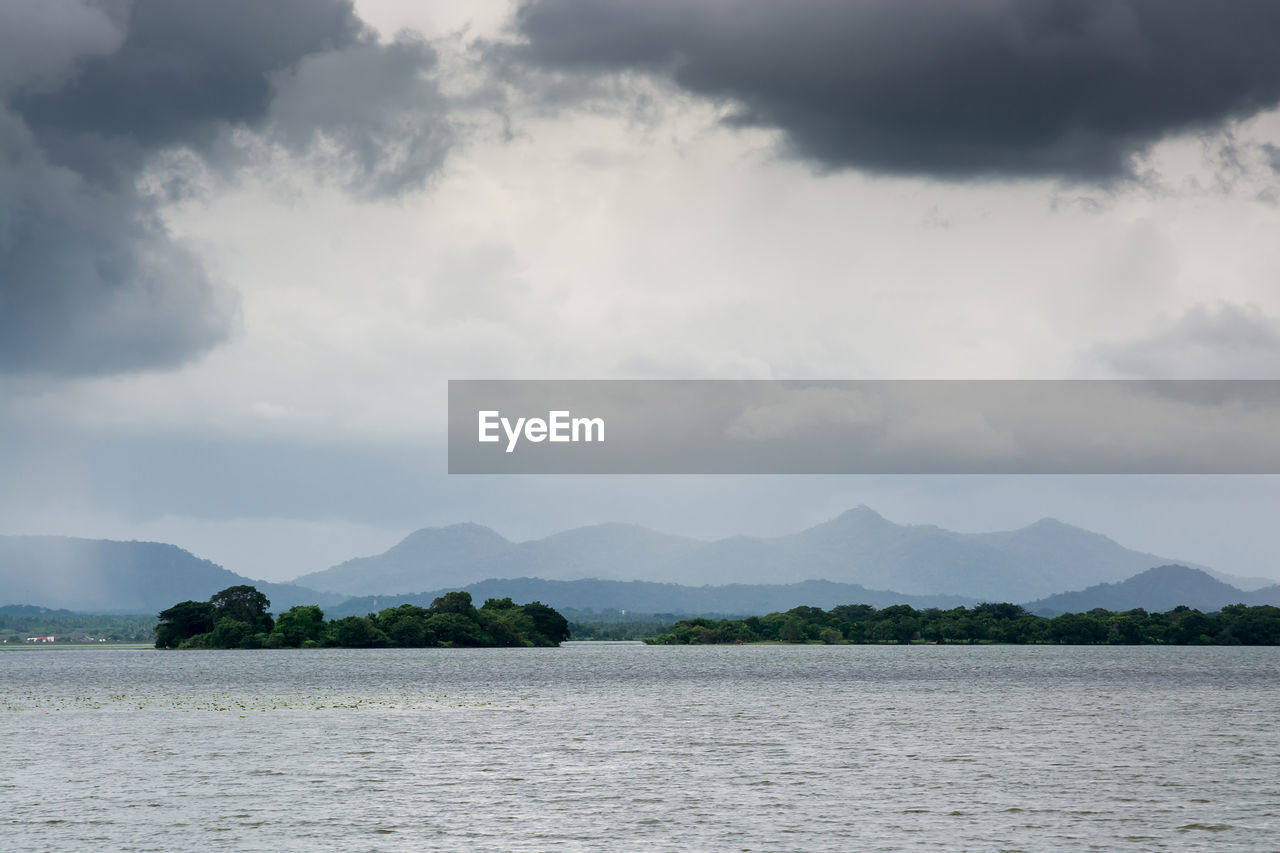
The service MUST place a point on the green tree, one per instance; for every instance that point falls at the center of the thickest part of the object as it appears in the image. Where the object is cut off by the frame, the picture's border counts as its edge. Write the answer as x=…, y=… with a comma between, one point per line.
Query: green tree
x=455, y=602
x=1187, y=626
x=245, y=604
x=237, y=617
x=408, y=633
x=1001, y=610
x=453, y=629
x=505, y=623
x=355, y=632
x=1254, y=626
x=229, y=633
x=183, y=621
x=405, y=625
x=1124, y=630
x=550, y=627
x=301, y=624
x=792, y=631
x=1077, y=629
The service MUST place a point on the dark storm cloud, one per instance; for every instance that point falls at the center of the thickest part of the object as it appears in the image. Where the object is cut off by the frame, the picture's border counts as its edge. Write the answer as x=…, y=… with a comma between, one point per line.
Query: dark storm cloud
x=1071, y=89
x=366, y=115
x=94, y=94
x=89, y=282
x=185, y=73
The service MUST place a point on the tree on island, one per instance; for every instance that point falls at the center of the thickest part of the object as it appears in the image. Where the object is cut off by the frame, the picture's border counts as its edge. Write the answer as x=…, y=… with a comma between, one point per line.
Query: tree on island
x=238, y=618
x=300, y=625
x=245, y=604
x=1002, y=622
x=182, y=621
x=546, y=621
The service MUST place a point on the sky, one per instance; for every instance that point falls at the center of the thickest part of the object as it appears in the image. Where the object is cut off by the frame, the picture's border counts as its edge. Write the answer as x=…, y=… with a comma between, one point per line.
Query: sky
x=244, y=246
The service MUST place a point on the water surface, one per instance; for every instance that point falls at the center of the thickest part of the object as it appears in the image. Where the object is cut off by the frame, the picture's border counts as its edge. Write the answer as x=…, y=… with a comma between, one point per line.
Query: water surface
x=588, y=747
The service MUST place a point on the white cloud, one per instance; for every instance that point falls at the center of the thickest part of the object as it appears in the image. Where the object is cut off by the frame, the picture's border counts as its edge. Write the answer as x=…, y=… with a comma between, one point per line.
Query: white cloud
x=1222, y=341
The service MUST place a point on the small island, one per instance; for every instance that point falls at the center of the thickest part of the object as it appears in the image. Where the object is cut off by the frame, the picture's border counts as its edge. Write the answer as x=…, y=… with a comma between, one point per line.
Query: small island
x=239, y=617
x=1233, y=625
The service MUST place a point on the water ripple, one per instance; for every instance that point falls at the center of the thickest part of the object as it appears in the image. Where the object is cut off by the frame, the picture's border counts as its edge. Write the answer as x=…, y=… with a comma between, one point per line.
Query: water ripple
x=586, y=748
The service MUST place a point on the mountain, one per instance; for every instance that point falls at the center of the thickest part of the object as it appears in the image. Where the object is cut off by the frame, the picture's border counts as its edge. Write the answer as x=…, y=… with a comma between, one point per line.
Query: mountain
x=104, y=576
x=444, y=554
x=460, y=554
x=1157, y=590
x=858, y=547
x=650, y=597
x=1246, y=582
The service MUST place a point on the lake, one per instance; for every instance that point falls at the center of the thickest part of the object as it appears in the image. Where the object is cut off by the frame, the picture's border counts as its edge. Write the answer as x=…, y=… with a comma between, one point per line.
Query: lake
x=588, y=747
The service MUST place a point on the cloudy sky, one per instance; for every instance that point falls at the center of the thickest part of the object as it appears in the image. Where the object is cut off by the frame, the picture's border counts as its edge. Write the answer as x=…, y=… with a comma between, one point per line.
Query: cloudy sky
x=243, y=247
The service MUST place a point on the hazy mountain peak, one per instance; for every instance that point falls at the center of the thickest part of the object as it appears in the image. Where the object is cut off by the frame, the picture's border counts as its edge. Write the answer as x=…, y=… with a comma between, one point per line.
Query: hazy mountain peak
x=108, y=575
x=429, y=555
x=465, y=535
x=1173, y=569
x=861, y=515
x=461, y=529
x=857, y=546
x=1156, y=589
x=607, y=527
x=1049, y=527
x=604, y=525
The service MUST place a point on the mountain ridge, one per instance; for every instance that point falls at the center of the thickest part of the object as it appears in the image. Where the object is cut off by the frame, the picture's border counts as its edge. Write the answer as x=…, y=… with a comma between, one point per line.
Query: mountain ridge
x=858, y=546
x=114, y=576
x=654, y=597
x=1157, y=589
x=858, y=553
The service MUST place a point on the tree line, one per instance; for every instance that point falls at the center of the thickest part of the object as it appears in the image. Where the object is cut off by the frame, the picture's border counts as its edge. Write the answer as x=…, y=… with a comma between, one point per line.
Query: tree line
x=19, y=621
x=1235, y=624
x=239, y=617
x=630, y=630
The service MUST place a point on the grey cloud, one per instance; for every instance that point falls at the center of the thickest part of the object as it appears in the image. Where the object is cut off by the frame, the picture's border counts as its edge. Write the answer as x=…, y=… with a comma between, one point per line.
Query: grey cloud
x=185, y=74
x=89, y=282
x=1224, y=341
x=95, y=94
x=1071, y=89
x=368, y=114
x=44, y=41
x=1272, y=153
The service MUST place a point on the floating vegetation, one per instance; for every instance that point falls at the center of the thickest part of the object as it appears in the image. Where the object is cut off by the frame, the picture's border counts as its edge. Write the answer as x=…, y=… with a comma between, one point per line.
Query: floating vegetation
x=38, y=702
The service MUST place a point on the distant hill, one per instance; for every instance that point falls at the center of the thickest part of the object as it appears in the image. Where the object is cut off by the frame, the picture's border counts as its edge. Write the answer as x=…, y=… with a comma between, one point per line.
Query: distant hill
x=650, y=597
x=858, y=547
x=104, y=576
x=1246, y=582
x=1157, y=590
x=17, y=620
x=443, y=554
x=466, y=553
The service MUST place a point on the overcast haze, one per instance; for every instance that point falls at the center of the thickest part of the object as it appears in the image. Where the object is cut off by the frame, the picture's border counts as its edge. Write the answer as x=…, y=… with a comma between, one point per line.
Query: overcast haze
x=243, y=246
